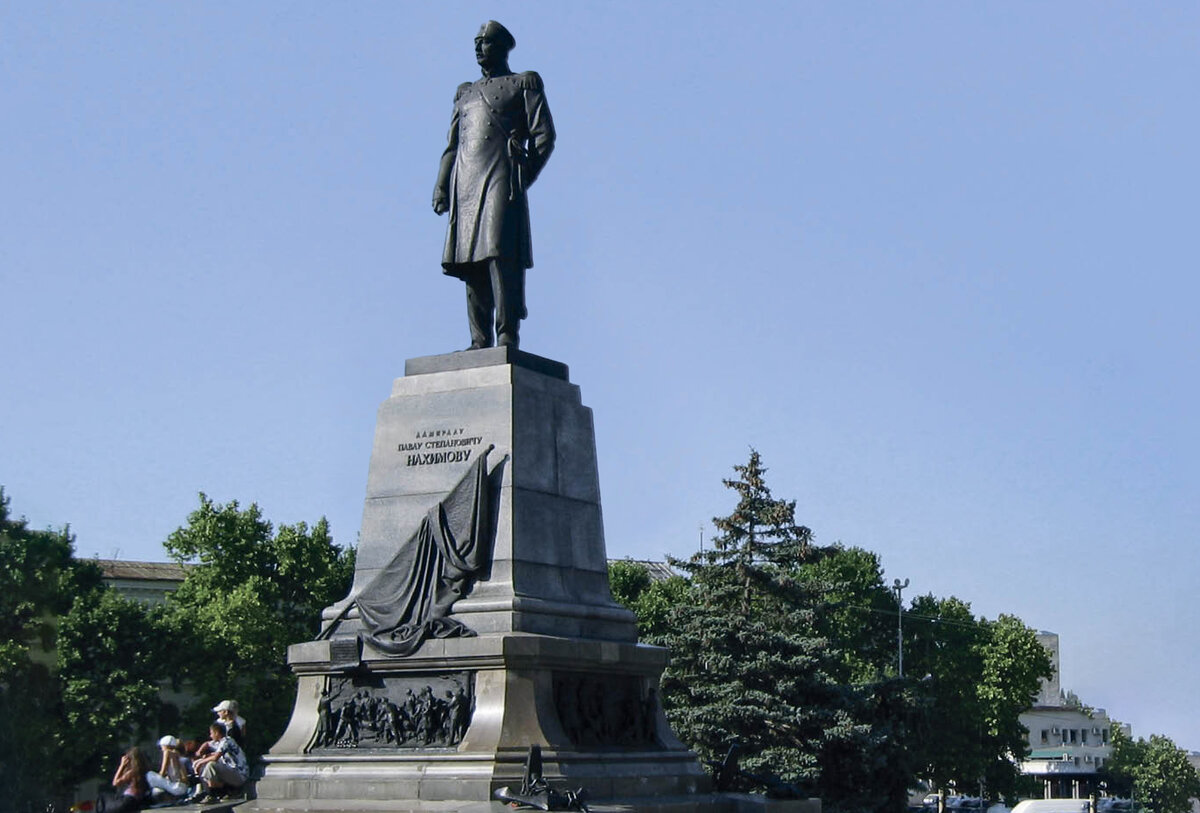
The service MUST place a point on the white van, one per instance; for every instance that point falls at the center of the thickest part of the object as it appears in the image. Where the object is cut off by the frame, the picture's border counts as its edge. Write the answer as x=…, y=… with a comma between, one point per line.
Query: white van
x=1053, y=806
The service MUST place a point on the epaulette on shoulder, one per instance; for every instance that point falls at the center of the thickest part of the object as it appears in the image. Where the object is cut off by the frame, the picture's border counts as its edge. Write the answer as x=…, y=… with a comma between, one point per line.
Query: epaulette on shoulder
x=529, y=80
x=461, y=90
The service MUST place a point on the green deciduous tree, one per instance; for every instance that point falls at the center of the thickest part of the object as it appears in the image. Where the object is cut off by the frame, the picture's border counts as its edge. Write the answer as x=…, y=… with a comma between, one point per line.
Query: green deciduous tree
x=81, y=666
x=857, y=616
x=1155, y=772
x=651, y=601
x=110, y=667
x=858, y=611
x=38, y=580
x=252, y=591
x=980, y=676
x=40, y=583
x=1014, y=663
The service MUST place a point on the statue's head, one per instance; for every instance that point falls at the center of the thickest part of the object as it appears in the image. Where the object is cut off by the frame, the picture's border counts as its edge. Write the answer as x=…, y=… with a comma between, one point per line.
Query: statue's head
x=492, y=44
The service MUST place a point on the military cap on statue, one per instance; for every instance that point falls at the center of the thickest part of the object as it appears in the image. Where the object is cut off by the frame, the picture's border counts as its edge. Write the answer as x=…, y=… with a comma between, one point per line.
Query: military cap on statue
x=499, y=33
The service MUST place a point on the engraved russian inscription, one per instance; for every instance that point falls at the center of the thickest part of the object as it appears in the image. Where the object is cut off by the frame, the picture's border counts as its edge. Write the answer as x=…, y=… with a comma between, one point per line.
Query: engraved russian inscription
x=438, y=446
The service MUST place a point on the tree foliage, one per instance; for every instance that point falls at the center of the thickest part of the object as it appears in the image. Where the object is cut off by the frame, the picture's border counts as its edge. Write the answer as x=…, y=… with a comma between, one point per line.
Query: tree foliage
x=979, y=676
x=252, y=591
x=651, y=601
x=746, y=662
x=38, y=579
x=753, y=660
x=1155, y=772
x=1014, y=663
x=54, y=721
x=110, y=667
x=81, y=667
x=858, y=612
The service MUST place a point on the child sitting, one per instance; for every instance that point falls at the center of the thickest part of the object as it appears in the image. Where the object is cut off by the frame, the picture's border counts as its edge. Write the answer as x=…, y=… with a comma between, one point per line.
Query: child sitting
x=130, y=780
x=224, y=767
x=174, y=775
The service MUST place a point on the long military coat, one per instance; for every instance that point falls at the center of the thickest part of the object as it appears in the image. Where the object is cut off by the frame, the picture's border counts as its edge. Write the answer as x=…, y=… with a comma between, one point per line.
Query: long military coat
x=501, y=135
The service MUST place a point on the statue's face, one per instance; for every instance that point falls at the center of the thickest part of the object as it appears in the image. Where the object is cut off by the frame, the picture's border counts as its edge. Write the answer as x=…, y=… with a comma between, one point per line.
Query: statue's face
x=488, y=51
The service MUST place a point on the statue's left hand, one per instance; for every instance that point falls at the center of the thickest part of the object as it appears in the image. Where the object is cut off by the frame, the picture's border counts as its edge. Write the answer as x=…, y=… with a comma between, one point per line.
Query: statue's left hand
x=440, y=204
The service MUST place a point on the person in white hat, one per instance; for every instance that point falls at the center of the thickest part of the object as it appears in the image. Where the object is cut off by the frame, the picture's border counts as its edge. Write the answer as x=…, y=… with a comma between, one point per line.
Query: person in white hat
x=172, y=776
x=227, y=713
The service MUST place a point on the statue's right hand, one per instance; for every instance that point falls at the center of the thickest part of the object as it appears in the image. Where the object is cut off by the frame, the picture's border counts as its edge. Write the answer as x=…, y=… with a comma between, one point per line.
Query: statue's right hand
x=440, y=204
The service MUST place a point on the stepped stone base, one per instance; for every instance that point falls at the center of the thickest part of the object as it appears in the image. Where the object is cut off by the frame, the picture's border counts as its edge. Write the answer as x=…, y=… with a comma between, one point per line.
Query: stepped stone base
x=590, y=705
x=699, y=803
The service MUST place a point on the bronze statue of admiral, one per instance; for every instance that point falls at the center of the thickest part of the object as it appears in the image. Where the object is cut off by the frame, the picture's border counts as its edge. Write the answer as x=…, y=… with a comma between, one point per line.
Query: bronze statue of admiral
x=501, y=135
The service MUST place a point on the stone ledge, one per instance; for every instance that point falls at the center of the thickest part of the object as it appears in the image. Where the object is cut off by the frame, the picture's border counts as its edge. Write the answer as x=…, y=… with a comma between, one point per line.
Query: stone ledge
x=699, y=803
x=488, y=357
x=511, y=650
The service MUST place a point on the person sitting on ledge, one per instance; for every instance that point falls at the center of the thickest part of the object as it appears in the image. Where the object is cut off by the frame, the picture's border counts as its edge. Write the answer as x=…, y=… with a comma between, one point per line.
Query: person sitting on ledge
x=224, y=768
x=130, y=780
x=235, y=725
x=172, y=777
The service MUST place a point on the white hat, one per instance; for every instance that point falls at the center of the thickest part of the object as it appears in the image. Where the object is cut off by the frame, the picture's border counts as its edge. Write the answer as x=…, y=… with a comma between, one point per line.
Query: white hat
x=224, y=705
x=169, y=742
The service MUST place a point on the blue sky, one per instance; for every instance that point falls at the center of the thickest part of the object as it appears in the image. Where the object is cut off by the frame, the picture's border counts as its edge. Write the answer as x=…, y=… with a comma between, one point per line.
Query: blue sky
x=935, y=261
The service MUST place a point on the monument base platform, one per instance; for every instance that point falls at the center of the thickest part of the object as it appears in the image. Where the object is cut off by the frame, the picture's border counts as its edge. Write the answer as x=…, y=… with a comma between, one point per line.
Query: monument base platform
x=455, y=721
x=699, y=803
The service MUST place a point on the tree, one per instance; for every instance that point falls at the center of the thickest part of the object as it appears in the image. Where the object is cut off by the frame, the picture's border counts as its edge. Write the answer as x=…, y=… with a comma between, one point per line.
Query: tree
x=749, y=662
x=81, y=666
x=252, y=591
x=859, y=611
x=857, y=616
x=981, y=675
x=650, y=600
x=38, y=577
x=1014, y=663
x=745, y=665
x=942, y=642
x=40, y=583
x=1155, y=772
x=110, y=668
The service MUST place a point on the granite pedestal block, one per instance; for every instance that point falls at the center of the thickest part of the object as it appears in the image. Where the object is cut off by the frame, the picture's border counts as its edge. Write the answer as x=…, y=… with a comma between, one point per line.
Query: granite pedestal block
x=549, y=571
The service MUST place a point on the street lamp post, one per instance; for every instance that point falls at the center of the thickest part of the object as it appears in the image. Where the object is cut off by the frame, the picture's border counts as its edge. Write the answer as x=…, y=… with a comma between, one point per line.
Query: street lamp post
x=898, y=588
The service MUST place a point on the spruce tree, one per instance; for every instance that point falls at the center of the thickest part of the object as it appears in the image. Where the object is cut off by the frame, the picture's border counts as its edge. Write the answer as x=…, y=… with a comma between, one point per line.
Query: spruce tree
x=747, y=664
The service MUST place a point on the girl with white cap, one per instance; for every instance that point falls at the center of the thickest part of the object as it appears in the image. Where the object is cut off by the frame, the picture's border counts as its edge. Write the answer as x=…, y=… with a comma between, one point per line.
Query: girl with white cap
x=172, y=776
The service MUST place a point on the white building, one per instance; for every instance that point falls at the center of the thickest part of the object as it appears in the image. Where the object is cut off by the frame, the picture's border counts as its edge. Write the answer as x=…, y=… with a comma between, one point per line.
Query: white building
x=1069, y=743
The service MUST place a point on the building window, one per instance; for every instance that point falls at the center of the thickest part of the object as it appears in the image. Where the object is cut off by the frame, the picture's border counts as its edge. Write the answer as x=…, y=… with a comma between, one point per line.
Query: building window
x=1104, y=735
x=1083, y=736
x=1045, y=736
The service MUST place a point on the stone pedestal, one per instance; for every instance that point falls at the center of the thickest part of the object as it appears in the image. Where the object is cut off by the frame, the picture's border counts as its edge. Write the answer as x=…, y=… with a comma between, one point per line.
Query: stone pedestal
x=549, y=573
x=554, y=660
